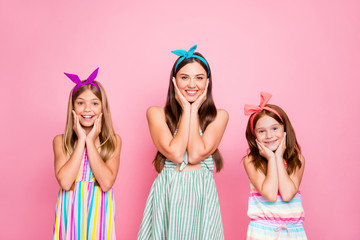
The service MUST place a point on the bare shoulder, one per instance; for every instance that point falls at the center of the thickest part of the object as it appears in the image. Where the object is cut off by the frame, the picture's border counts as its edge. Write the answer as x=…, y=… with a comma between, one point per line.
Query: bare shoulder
x=118, y=138
x=302, y=160
x=222, y=115
x=58, y=140
x=247, y=160
x=155, y=112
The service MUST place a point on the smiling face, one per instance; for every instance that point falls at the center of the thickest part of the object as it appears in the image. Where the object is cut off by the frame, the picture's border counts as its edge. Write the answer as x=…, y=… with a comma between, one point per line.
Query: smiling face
x=191, y=81
x=269, y=132
x=88, y=107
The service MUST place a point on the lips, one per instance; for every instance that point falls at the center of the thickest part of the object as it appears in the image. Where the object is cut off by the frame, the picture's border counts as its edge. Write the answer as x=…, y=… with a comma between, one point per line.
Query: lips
x=87, y=117
x=191, y=92
x=271, y=142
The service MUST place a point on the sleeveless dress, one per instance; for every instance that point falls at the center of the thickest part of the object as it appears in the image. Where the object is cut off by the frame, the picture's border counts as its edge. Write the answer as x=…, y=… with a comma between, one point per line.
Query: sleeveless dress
x=275, y=220
x=85, y=211
x=183, y=205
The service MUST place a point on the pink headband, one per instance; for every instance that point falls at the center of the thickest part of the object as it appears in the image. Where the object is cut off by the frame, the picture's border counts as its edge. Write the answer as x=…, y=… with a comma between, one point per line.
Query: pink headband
x=252, y=109
x=78, y=82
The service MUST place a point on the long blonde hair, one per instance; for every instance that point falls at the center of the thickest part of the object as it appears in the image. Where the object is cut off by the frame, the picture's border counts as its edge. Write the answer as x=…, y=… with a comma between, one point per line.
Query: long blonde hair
x=107, y=135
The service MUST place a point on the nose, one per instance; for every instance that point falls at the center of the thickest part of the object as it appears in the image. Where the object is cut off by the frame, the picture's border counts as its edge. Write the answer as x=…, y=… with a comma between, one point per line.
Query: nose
x=87, y=107
x=192, y=82
x=269, y=134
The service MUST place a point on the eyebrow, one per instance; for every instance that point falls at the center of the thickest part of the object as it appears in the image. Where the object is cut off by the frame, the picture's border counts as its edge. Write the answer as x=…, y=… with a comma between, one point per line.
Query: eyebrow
x=96, y=99
x=195, y=75
x=276, y=124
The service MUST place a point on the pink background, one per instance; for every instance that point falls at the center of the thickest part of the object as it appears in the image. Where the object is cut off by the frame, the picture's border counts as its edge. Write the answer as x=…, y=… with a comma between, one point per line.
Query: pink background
x=306, y=53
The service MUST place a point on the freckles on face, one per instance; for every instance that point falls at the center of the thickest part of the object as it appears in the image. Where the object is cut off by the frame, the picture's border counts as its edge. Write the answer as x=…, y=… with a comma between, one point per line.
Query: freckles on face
x=269, y=132
x=191, y=81
x=88, y=107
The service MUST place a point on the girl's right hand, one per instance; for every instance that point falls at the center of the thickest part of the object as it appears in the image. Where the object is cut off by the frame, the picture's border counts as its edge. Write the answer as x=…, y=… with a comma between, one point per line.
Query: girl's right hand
x=80, y=132
x=180, y=98
x=264, y=151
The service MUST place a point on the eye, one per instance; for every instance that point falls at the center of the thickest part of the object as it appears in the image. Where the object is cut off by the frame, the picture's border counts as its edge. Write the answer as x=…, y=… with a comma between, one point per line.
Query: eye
x=275, y=128
x=80, y=103
x=200, y=78
x=261, y=131
x=184, y=77
x=95, y=103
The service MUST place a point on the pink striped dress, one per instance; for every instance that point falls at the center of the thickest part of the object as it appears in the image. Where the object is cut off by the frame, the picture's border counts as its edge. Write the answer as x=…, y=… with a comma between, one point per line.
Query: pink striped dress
x=275, y=220
x=85, y=212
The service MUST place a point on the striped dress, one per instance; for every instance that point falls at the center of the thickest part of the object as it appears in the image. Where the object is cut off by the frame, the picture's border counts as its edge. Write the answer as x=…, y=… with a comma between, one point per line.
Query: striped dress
x=275, y=220
x=85, y=212
x=183, y=205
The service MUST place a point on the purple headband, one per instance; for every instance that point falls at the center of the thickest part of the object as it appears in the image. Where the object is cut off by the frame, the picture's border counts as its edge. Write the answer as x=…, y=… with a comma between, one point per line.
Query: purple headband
x=89, y=80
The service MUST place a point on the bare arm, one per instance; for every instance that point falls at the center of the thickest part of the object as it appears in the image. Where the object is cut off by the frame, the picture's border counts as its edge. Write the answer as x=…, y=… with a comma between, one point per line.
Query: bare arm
x=200, y=147
x=66, y=170
x=172, y=147
x=105, y=172
x=289, y=184
x=267, y=185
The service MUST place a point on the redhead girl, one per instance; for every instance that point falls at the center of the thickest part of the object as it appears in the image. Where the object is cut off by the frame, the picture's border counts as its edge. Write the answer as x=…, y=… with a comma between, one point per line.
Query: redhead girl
x=183, y=202
x=275, y=167
x=87, y=159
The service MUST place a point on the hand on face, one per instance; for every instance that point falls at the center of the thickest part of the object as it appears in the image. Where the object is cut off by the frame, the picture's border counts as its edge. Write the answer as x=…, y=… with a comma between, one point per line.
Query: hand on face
x=264, y=151
x=80, y=132
x=179, y=97
x=197, y=104
x=95, y=131
x=281, y=148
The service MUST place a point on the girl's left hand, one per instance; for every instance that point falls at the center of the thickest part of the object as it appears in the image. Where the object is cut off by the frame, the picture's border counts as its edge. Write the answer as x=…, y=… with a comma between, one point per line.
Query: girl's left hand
x=197, y=104
x=279, y=153
x=95, y=131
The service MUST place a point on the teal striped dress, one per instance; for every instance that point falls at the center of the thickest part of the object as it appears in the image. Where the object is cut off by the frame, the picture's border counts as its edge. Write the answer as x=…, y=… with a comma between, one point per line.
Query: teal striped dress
x=183, y=205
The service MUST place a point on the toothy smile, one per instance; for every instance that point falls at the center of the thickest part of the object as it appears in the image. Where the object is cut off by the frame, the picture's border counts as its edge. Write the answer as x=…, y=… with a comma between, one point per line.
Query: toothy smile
x=87, y=116
x=191, y=92
x=271, y=142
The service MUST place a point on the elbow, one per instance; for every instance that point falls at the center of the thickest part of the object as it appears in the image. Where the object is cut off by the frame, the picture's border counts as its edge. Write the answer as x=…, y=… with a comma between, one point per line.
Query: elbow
x=65, y=185
x=176, y=158
x=106, y=186
x=270, y=197
x=197, y=157
x=194, y=159
x=287, y=197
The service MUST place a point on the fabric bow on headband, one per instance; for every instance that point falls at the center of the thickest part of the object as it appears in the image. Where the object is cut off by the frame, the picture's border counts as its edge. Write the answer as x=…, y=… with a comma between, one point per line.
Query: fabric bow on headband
x=189, y=54
x=89, y=80
x=252, y=109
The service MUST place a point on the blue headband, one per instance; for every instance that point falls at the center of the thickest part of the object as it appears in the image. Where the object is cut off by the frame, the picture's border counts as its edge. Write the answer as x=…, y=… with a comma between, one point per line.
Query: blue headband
x=189, y=54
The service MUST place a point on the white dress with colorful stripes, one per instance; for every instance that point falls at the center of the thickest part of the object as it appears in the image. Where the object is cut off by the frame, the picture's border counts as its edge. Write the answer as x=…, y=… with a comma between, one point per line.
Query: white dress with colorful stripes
x=275, y=220
x=183, y=205
x=85, y=212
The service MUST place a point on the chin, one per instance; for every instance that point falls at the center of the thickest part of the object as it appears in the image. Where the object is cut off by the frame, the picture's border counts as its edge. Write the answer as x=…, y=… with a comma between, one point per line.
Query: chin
x=273, y=148
x=87, y=125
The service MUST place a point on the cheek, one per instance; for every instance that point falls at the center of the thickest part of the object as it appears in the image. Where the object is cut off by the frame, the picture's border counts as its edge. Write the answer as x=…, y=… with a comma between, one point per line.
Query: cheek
x=202, y=85
x=259, y=137
x=77, y=108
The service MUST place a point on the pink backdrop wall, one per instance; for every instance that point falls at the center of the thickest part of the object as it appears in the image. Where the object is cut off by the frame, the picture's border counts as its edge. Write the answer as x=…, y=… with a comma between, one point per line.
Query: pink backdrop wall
x=305, y=53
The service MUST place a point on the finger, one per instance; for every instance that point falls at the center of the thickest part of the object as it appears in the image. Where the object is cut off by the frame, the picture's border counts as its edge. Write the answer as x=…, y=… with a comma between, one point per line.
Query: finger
x=100, y=121
x=174, y=82
x=74, y=118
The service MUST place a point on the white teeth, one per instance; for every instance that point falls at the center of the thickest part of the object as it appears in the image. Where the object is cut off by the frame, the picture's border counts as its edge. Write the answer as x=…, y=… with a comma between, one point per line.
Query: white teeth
x=87, y=117
x=191, y=92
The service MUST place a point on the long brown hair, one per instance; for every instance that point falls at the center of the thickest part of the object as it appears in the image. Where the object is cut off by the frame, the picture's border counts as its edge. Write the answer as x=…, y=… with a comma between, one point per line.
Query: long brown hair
x=292, y=151
x=107, y=135
x=207, y=112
